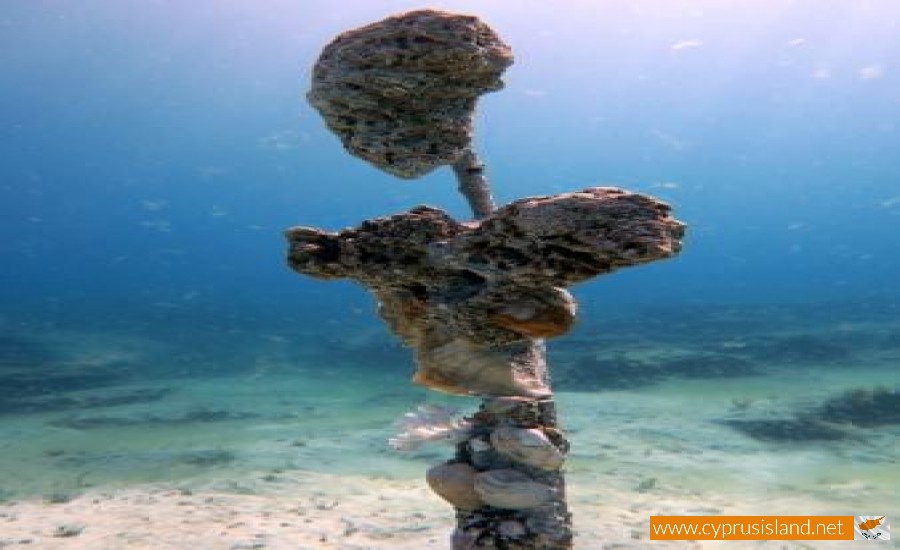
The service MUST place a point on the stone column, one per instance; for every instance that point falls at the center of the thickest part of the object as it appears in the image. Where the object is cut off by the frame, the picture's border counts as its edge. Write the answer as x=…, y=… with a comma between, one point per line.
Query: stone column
x=474, y=300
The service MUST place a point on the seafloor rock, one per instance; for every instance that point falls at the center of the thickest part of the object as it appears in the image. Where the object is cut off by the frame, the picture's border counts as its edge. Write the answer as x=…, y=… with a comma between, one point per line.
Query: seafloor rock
x=401, y=93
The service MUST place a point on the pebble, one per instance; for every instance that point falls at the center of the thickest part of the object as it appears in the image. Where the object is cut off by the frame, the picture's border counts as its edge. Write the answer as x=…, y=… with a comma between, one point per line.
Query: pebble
x=68, y=530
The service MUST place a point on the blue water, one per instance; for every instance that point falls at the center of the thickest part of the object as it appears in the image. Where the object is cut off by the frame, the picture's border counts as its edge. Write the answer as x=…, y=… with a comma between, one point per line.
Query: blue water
x=152, y=152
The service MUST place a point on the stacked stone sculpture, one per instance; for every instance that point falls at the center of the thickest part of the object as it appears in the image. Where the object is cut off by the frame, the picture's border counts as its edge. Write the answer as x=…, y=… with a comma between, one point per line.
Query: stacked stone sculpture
x=474, y=300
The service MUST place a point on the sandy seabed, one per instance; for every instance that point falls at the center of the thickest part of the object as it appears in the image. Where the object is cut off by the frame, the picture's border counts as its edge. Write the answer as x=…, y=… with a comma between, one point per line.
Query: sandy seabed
x=294, y=457
x=337, y=486
x=300, y=511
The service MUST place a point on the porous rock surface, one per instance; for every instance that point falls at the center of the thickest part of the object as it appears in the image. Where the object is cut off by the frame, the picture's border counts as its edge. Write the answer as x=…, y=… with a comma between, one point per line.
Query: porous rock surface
x=475, y=300
x=401, y=93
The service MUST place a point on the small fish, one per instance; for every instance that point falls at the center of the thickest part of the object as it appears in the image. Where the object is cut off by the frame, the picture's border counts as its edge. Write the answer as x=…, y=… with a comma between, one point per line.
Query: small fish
x=684, y=44
x=870, y=523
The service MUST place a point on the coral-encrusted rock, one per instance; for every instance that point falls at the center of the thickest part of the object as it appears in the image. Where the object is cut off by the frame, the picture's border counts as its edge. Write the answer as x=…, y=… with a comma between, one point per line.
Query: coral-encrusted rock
x=475, y=300
x=400, y=93
x=543, y=313
x=564, y=239
x=375, y=252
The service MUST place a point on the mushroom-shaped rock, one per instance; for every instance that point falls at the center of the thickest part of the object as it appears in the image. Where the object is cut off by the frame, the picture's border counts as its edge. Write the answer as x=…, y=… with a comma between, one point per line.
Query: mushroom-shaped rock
x=401, y=93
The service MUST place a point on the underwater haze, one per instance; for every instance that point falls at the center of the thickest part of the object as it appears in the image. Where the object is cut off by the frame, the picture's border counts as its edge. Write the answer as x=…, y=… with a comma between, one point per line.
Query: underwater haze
x=153, y=339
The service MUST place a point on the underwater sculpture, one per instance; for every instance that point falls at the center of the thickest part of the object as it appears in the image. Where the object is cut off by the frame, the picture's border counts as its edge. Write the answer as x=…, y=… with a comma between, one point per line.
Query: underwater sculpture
x=475, y=300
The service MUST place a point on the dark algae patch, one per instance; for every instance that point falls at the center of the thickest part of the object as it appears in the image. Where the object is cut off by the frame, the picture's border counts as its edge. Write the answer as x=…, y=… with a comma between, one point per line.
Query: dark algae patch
x=837, y=418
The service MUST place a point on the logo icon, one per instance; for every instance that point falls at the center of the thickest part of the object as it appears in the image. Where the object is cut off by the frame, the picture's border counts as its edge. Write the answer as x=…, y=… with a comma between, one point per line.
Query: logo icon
x=871, y=528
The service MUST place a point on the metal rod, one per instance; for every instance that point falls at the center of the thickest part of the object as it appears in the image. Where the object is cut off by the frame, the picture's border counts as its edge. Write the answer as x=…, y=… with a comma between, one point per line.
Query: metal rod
x=473, y=184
